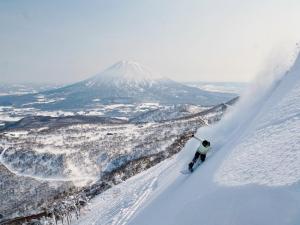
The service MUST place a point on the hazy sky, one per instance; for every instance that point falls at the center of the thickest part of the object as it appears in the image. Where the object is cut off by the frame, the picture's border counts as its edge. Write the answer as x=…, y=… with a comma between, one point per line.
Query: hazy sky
x=67, y=41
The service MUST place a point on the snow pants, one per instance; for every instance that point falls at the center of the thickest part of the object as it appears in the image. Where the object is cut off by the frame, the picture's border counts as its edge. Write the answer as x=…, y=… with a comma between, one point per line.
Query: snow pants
x=197, y=155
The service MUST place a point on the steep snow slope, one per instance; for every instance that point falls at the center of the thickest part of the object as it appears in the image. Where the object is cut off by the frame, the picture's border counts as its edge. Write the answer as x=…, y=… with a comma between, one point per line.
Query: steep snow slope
x=250, y=178
x=253, y=175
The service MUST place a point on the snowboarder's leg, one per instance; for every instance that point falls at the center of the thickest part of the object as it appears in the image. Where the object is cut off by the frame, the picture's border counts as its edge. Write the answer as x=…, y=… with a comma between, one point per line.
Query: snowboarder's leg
x=202, y=157
x=191, y=164
x=197, y=154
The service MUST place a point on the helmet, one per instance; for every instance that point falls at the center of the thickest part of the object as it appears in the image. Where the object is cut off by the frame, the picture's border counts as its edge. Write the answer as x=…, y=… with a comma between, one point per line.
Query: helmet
x=206, y=143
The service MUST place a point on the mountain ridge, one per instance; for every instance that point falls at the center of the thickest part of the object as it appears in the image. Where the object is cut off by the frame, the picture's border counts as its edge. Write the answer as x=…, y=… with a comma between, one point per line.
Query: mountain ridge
x=125, y=82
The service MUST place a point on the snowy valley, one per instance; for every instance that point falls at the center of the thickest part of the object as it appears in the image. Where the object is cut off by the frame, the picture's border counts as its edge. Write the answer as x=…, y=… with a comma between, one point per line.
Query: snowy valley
x=56, y=160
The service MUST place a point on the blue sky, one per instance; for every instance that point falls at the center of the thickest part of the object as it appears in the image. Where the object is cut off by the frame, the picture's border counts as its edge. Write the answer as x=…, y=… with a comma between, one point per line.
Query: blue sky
x=210, y=40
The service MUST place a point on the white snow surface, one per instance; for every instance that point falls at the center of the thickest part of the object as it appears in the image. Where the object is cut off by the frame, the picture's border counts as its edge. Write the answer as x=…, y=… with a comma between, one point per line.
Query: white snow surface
x=252, y=176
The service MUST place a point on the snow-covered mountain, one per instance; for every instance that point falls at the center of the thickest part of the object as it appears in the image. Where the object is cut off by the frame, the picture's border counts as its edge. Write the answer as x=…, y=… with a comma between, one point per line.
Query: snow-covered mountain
x=131, y=82
x=128, y=74
x=124, y=82
x=252, y=175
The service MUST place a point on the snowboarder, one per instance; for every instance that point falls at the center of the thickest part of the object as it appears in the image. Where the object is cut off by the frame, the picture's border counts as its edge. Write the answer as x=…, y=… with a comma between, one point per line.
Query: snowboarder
x=201, y=152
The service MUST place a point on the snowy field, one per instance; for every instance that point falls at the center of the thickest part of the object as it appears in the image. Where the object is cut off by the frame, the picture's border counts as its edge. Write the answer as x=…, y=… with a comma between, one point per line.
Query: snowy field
x=224, y=87
x=121, y=111
x=26, y=88
x=251, y=176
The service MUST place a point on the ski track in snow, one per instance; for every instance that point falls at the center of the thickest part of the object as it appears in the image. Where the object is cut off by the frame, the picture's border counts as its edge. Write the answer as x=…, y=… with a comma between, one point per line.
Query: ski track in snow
x=126, y=213
x=117, y=205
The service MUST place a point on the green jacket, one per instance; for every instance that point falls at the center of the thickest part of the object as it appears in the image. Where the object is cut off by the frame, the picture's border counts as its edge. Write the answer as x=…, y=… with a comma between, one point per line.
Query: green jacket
x=203, y=150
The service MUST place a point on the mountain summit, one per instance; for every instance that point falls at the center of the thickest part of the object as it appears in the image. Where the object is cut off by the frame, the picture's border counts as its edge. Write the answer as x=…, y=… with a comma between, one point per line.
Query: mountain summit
x=128, y=73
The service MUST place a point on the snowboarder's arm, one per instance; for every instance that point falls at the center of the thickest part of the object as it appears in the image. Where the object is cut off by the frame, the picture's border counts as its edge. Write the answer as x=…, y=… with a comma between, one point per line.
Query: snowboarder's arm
x=197, y=138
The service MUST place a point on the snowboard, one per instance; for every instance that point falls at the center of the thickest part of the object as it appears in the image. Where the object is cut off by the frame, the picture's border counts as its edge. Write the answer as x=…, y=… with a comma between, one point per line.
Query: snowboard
x=187, y=171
